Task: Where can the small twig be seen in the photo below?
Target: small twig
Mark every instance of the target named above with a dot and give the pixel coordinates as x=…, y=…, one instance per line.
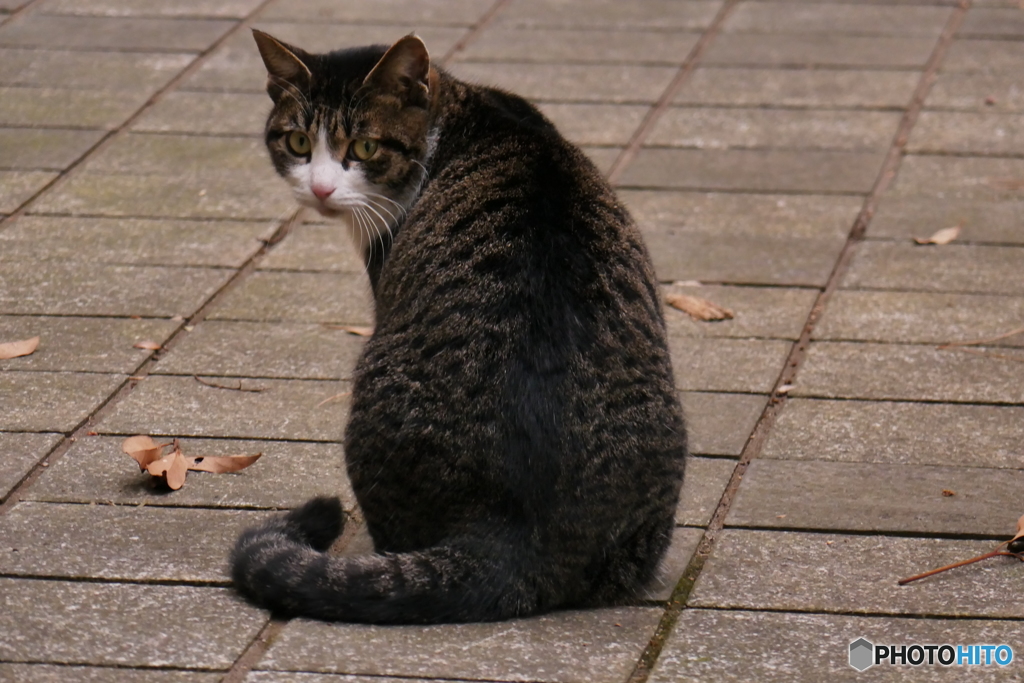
x=331, y=398
x=254, y=390
x=994, y=553
x=977, y=342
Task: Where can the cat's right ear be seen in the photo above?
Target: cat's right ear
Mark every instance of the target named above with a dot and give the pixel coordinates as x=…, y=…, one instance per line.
x=286, y=70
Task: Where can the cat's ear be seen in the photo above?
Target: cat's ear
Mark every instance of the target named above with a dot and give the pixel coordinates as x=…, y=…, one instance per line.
x=404, y=70
x=286, y=70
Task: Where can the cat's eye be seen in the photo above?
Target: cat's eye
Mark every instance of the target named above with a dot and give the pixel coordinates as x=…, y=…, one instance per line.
x=363, y=148
x=298, y=143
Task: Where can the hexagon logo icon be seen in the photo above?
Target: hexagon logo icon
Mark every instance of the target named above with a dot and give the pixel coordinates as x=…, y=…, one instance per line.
x=862, y=654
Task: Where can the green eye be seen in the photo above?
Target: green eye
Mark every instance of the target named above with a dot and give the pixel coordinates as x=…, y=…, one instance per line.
x=363, y=148
x=298, y=143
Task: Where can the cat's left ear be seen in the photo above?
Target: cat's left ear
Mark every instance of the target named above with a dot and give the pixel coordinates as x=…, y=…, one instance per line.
x=404, y=70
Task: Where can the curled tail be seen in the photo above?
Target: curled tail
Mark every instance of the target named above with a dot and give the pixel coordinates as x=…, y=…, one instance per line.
x=283, y=565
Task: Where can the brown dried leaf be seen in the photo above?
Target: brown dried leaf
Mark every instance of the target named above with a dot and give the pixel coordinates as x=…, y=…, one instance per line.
x=16, y=349
x=221, y=463
x=697, y=308
x=948, y=493
x=1020, y=530
x=944, y=236
x=171, y=468
x=142, y=449
x=148, y=345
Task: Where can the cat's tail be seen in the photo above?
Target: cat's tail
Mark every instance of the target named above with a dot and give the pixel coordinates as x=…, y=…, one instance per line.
x=283, y=565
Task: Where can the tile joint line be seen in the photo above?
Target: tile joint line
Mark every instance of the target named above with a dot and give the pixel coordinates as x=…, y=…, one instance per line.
x=798, y=351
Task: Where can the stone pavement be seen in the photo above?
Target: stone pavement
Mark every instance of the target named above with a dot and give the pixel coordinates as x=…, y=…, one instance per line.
x=782, y=153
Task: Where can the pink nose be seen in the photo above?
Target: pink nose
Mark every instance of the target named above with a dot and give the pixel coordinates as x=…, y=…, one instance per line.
x=322, y=192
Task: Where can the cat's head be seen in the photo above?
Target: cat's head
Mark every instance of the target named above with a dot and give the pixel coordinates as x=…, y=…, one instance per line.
x=350, y=130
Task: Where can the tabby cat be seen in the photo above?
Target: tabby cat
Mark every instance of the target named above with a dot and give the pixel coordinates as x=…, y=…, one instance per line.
x=515, y=441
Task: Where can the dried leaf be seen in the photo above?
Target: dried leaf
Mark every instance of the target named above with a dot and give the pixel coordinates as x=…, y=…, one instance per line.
x=1015, y=544
x=143, y=450
x=948, y=493
x=148, y=345
x=171, y=468
x=16, y=349
x=207, y=383
x=944, y=236
x=697, y=308
x=218, y=464
x=357, y=330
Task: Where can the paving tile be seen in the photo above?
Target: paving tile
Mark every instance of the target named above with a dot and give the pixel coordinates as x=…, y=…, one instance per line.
x=679, y=253
x=133, y=241
x=101, y=71
x=798, y=88
x=21, y=452
x=781, y=647
x=982, y=221
x=174, y=155
x=596, y=124
x=76, y=344
x=121, y=543
x=52, y=401
x=677, y=557
x=212, y=194
x=181, y=406
x=602, y=157
x=654, y=14
x=95, y=470
x=28, y=106
x=729, y=365
x=610, y=83
x=236, y=64
x=772, y=312
x=950, y=268
x=299, y=297
x=817, y=50
x=591, y=646
x=317, y=247
x=972, y=92
x=897, y=433
x=780, y=570
x=207, y=114
x=510, y=44
x=874, y=497
x=235, y=9
x=298, y=677
x=149, y=35
x=952, y=177
x=992, y=56
x=51, y=150
x=17, y=187
x=754, y=170
x=921, y=318
x=905, y=372
x=719, y=424
x=98, y=290
x=967, y=133
x=715, y=128
x=828, y=18
x=448, y=12
x=993, y=22
x=703, y=486
x=105, y=623
x=49, y=673
x=285, y=350
x=749, y=215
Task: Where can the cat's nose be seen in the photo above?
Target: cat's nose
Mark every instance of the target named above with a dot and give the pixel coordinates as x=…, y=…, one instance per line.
x=322, y=192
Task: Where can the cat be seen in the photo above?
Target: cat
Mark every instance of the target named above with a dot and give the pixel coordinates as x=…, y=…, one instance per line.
x=515, y=440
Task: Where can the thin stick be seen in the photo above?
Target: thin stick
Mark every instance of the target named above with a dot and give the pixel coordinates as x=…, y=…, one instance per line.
x=998, y=551
x=202, y=381
x=331, y=398
x=976, y=342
